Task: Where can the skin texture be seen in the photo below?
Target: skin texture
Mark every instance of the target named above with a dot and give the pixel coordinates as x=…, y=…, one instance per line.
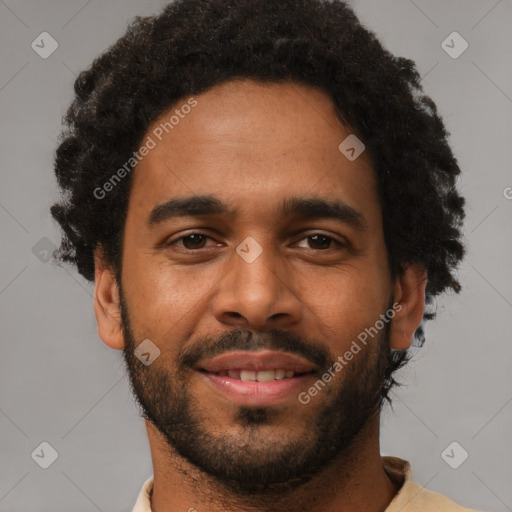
x=253, y=145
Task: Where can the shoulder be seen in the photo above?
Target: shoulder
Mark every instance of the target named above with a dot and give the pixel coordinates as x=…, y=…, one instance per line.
x=412, y=497
x=143, y=503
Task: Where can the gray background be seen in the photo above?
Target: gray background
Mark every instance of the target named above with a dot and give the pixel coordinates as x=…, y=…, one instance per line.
x=61, y=384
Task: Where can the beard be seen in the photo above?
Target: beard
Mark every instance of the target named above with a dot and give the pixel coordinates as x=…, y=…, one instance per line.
x=252, y=461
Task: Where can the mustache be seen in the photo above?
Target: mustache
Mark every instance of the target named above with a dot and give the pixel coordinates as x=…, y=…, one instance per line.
x=208, y=347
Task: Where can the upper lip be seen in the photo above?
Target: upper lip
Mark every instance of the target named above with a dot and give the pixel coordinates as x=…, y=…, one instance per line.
x=257, y=361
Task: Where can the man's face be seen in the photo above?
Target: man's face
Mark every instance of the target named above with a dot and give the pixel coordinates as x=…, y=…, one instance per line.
x=285, y=302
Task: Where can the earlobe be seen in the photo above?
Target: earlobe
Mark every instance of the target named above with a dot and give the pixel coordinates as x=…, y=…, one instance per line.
x=106, y=303
x=409, y=292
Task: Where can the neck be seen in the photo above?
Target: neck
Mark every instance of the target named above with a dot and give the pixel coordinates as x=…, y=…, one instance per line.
x=354, y=482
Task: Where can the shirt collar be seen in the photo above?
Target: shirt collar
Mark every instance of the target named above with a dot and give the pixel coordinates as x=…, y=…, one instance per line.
x=398, y=470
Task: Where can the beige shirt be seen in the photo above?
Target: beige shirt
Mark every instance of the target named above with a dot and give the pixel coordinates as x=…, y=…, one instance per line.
x=411, y=497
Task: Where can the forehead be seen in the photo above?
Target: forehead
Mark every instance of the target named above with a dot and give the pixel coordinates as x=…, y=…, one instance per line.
x=251, y=145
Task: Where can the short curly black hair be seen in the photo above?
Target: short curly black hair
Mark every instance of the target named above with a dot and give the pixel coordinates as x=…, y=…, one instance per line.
x=193, y=45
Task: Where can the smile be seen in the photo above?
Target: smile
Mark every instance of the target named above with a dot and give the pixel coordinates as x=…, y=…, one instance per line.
x=256, y=379
x=260, y=376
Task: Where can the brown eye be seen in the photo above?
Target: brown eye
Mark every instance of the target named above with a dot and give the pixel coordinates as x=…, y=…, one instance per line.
x=192, y=241
x=320, y=241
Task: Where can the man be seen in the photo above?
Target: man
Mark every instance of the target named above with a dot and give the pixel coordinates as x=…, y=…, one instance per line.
x=265, y=200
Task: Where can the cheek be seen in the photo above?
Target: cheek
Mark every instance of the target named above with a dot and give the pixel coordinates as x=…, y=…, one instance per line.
x=166, y=298
x=347, y=300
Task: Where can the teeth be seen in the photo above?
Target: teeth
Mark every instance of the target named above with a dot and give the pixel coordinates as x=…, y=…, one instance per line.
x=261, y=376
x=265, y=375
x=279, y=374
x=246, y=375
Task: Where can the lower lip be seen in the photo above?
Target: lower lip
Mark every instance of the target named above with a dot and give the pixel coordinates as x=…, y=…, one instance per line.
x=254, y=393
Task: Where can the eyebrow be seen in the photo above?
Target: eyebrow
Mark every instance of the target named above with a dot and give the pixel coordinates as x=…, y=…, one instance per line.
x=303, y=207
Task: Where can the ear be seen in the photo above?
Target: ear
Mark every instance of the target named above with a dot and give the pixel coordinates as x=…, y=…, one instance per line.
x=409, y=292
x=106, y=302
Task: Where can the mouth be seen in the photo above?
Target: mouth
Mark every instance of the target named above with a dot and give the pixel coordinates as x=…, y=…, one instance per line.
x=256, y=379
x=258, y=376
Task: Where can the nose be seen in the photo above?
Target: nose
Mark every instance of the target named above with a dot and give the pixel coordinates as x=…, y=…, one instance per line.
x=258, y=294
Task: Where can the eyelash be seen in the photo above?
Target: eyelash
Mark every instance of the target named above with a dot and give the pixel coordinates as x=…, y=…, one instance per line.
x=330, y=238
